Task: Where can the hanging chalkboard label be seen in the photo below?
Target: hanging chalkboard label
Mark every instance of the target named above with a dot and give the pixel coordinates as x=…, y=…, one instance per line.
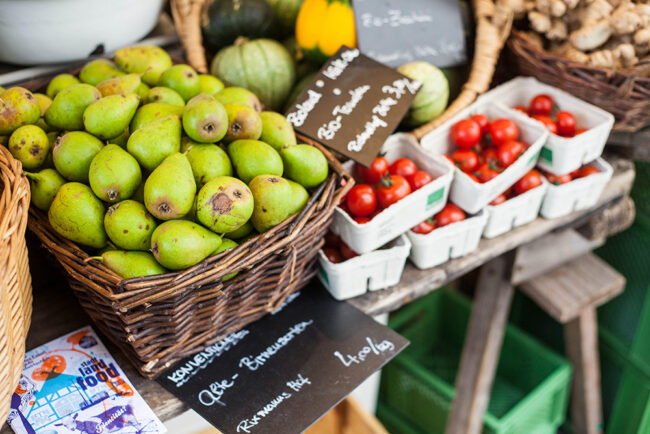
x=283, y=372
x=395, y=32
x=353, y=104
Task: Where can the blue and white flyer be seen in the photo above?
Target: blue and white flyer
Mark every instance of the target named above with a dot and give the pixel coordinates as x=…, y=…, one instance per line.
x=73, y=385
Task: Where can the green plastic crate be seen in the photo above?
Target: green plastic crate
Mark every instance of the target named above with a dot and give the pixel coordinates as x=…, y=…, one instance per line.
x=394, y=422
x=530, y=391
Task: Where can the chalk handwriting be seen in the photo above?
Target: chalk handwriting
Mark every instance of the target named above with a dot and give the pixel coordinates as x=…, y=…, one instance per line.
x=372, y=347
x=254, y=363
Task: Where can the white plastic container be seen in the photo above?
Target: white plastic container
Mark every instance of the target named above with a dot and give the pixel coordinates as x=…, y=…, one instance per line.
x=514, y=212
x=560, y=155
x=371, y=271
x=578, y=194
x=468, y=194
x=448, y=242
x=408, y=212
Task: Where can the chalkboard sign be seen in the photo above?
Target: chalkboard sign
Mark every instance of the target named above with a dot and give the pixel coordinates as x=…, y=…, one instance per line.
x=353, y=104
x=283, y=372
x=395, y=32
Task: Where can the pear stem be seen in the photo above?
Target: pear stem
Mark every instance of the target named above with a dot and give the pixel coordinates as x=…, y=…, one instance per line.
x=96, y=258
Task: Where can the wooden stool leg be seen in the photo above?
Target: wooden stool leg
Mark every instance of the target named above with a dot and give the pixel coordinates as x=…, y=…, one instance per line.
x=581, y=341
x=482, y=347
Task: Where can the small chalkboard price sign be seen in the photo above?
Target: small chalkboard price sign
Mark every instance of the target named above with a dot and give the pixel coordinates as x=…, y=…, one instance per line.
x=395, y=32
x=283, y=372
x=353, y=104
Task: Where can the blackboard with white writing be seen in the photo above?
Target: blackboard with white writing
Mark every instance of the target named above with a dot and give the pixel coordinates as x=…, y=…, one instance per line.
x=283, y=372
x=353, y=104
x=395, y=32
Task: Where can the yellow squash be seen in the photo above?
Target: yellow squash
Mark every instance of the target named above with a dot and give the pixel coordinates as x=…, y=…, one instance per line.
x=323, y=26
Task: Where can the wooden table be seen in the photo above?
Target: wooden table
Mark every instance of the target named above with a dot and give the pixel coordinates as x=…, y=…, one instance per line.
x=56, y=312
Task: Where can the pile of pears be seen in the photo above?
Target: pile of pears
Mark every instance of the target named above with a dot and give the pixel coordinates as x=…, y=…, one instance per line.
x=153, y=165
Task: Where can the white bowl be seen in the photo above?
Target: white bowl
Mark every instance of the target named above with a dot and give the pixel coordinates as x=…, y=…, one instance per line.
x=50, y=31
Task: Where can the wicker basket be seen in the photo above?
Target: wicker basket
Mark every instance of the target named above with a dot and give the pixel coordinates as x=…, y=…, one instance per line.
x=15, y=280
x=624, y=93
x=493, y=23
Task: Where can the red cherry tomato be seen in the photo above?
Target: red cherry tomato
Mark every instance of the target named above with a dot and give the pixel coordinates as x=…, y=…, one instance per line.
x=361, y=220
x=333, y=255
x=566, y=124
x=580, y=131
x=508, y=153
x=499, y=199
x=548, y=123
x=482, y=121
x=424, y=228
x=473, y=178
x=419, y=179
x=361, y=200
x=586, y=171
x=373, y=174
x=332, y=240
x=485, y=172
x=529, y=181
x=449, y=214
x=574, y=174
x=558, y=179
x=489, y=155
x=503, y=130
x=347, y=252
x=465, y=159
x=466, y=133
x=392, y=189
x=521, y=108
x=541, y=105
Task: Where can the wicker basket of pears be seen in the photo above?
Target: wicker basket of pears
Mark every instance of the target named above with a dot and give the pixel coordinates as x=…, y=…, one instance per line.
x=178, y=208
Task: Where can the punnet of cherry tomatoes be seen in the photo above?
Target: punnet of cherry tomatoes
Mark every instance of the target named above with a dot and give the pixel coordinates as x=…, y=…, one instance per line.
x=337, y=251
x=381, y=185
x=582, y=172
x=543, y=108
x=484, y=147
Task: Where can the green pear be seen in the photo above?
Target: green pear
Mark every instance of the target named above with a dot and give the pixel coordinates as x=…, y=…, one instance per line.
x=128, y=265
x=67, y=108
x=153, y=142
x=205, y=119
x=187, y=143
x=43, y=101
x=78, y=215
x=273, y=198
x=243, y=122
x=123, y=85
x=44, y=126
x=129, y=225
x=148, y=60
x=276, y=130
x=300, y=197
x=208, y=161
x=142, y=90
x=96, y=71
x=60, y=82
x=72, y=154
x=240, y=95
x=226, y=244
x=114, y=174
x=240, y=233
x=29, y=145
x=122, y=139
x=163, y=95
x=44, y=186
x=181, y=78
x=210, y=84
x=224, y=204
x=304, y=164
x=169, y=190
x=180, y=244
x=18, y=107
x=152, y=111
x=109, y=116
x=252, y=157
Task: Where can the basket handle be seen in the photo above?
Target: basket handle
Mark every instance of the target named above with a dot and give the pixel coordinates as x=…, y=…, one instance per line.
x=187, y=18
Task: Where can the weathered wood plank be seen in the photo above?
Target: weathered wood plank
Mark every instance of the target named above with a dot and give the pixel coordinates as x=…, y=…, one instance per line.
x=581, y=343
x=611, y=221
x=568, y=290
x=417, y=283
x=480, y=357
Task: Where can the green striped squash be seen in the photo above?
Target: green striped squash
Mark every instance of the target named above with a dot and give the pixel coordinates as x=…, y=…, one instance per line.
x=262, y=66
x=287, y=12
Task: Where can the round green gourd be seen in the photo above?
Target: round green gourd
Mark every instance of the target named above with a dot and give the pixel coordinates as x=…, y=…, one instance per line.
x=223, y=21
x=262, y=66
x=287, y=12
